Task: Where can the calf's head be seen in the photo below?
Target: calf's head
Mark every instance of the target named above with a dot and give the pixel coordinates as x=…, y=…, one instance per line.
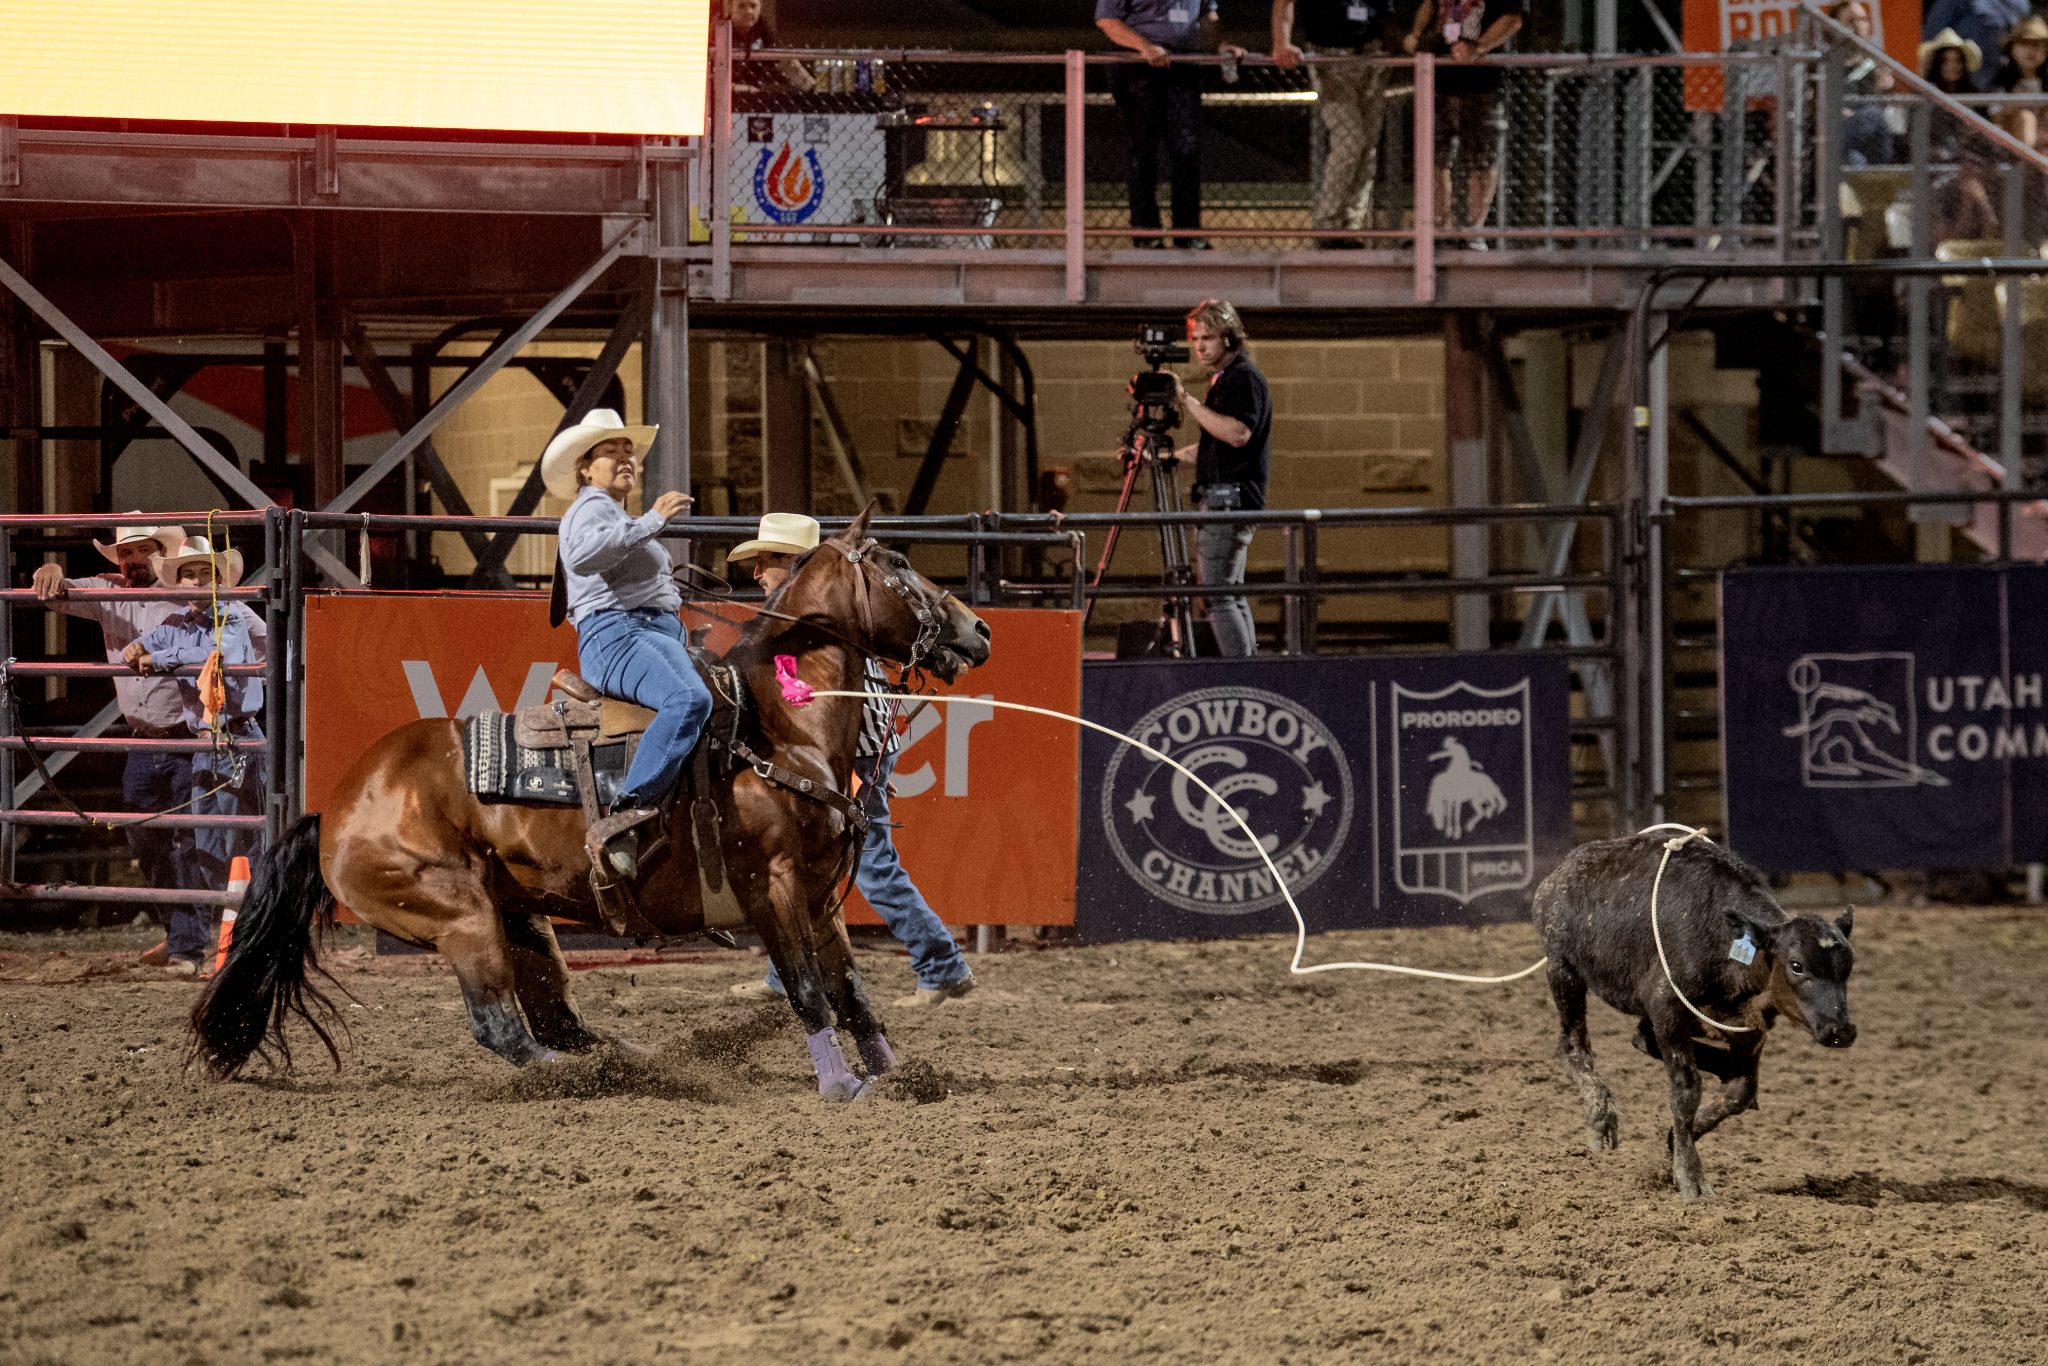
x=1810, y=961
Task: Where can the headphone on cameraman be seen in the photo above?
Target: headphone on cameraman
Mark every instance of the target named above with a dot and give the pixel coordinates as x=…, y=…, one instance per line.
x=1220, y=315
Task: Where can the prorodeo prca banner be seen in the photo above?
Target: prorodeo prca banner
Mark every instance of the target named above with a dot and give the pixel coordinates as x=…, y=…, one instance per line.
x=1425, y=790
x=1885, y=718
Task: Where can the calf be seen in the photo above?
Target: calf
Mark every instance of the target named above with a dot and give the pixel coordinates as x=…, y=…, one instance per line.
x=1733, y=952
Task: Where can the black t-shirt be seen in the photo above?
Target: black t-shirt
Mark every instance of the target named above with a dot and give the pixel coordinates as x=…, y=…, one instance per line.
x=1238, y=390
x=1472, y=18
x=1340, y=23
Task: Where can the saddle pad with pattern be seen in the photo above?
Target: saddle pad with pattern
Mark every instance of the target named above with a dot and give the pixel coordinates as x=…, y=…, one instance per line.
x=497, y=768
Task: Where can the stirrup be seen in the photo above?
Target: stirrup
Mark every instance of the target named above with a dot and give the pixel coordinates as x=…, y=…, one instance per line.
x=614, y=853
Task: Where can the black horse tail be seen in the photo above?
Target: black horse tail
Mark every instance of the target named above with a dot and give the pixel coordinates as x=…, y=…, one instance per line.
x=264, y=980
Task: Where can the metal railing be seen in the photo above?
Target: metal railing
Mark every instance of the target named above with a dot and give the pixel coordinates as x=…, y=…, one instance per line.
x=955, y=152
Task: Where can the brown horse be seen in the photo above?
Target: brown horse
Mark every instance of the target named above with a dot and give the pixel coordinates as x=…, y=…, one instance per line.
x=405, y=846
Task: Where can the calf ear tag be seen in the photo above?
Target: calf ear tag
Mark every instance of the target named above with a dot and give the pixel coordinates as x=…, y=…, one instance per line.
x=1743, y=950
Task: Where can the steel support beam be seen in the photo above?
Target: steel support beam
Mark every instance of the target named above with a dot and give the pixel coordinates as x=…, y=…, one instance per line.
x=1579, y=479
x=943, y=432
x=785, y=431
x=476, y=378
x=1466, y=408
x=844, y=453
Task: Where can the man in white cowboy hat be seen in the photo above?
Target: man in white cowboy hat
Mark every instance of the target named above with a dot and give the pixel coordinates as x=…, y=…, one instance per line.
x=621, y=595
x=226, y=781
x=942, y=974
x=151, y=780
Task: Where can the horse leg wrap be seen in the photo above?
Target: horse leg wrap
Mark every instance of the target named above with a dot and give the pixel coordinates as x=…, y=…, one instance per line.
x=876, y=1055
x=835, y=1079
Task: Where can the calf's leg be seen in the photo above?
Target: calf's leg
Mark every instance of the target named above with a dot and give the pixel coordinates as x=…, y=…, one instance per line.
x=1738, y=1093
x=1684, y=1077
x=1575, y=1051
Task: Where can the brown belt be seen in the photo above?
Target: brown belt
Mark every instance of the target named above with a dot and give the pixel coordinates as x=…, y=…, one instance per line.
x=149, y=732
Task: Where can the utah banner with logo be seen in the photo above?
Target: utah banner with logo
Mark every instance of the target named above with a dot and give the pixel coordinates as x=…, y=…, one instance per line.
x=1885, y=718
x=1422, y=790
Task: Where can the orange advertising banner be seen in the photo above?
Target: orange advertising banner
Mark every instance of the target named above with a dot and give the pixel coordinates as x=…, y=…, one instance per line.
x=985, y=798
x=1721, y=25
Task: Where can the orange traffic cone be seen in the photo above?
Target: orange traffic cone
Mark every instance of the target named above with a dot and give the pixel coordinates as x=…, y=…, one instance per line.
x=238, y=883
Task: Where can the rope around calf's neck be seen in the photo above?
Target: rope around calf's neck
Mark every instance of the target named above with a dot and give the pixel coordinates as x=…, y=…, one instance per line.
x=1300, y=925
x=1672, y=846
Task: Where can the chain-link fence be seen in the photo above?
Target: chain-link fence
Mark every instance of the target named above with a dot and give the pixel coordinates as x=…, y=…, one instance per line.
x=938, y=149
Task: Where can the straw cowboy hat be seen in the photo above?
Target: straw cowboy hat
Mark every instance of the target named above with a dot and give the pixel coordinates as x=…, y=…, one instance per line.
x=780, y=533
x=1973, y=56
x=227, y=565
x=558, y=462
x=2032, y=29
x=167, y=538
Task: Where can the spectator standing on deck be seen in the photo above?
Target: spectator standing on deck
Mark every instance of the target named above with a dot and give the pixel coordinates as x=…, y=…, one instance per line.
x=1236, y=418
x=942, y=973
x=225, y=781
x=751, y=33
x=1160, y=99
x=1868, y=137
x=150, y=780
x=1351, y=100
x=1471, y=100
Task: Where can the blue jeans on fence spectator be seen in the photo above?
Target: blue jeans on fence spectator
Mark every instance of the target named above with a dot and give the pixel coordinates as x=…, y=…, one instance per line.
x=934, y=956
x=155, y=781
x=638, y=654
x=1220, y=560
x=207, y=858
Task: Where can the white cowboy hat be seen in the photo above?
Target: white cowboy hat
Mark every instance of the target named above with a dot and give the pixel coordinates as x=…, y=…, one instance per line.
x=780, y=533
x=167, y=538
x=558, y=462
x=1973, y=56
x=227, y=565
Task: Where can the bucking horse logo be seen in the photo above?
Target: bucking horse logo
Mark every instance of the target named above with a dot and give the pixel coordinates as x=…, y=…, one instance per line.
x=1462, y=787
x=1462, y=799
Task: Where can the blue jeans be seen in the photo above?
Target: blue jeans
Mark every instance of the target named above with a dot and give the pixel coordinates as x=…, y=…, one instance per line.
x=205, y=861
x=637, y=653
x=1221, y=550
x=934, y=957
x=154, y=781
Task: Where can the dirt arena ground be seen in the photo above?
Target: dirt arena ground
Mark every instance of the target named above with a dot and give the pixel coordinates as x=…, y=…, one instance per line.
x=1145, y=1152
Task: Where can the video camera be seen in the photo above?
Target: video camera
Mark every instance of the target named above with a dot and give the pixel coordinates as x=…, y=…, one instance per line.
x=1155, y=410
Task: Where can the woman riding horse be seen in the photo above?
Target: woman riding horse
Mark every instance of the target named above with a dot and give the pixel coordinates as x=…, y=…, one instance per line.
x=410, y=849
x=623, y=600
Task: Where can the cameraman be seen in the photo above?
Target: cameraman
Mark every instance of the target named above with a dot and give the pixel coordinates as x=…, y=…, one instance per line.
x=1236, y=418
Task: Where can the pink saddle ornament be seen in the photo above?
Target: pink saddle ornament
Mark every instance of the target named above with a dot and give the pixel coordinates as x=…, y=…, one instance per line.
x=795, y=691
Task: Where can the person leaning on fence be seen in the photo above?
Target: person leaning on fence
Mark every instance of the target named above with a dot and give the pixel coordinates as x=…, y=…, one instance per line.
x=1351, y=100
x=1471, y=100
x=2024, y=72
x=942, y=974
x=1236, y=418
x=623, y=600
x=1160, y=99
x=225, y=781
x=1869, y=137
x=751, y=32
x=151, y=780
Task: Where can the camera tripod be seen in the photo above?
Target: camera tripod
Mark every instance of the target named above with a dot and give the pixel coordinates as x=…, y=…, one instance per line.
x=1149, y=449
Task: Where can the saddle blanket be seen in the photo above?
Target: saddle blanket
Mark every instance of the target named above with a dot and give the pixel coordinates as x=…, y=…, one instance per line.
x=500, y=769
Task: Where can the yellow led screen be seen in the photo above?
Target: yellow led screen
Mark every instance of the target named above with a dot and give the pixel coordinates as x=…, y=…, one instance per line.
x=567, y=66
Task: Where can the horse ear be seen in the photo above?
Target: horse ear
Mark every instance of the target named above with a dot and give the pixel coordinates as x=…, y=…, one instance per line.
x=858, y=530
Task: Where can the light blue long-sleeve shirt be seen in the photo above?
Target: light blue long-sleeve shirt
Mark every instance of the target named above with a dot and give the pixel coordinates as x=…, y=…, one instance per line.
x=187, y=639
x=611, y=560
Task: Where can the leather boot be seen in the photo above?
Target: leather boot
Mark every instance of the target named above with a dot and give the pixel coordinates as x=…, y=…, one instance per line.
x=614, y=849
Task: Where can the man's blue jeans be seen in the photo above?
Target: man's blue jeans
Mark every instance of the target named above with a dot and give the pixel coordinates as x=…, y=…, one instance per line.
x=205, y=860
x=1221, y=550
x=638, y=654
x=934, y=957
x=155, y=781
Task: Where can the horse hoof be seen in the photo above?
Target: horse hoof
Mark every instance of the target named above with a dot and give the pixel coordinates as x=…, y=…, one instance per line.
x=850, y=1089
x=547, y=1056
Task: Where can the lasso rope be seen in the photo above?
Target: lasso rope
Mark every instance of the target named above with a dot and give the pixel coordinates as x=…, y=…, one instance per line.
x=1672, y=846
x=1300, y=925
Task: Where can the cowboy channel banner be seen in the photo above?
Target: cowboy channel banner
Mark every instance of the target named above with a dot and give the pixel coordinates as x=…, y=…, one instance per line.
x=1426, y=790
x=1885, y=718
x=984, y=797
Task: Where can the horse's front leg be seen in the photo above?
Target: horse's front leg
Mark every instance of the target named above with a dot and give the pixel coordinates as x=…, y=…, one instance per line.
x=850, y=995
x=786, y=931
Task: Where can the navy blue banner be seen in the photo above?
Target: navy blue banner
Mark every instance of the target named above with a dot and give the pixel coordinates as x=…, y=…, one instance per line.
x=1885, y=718
x=1421, y=790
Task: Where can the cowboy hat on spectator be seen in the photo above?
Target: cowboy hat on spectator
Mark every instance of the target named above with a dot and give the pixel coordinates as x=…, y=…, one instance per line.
x=1973, y=56
x=2032, y=29
x=558, y=462
x=227, y=565
x=167, y=538
x=780, y=533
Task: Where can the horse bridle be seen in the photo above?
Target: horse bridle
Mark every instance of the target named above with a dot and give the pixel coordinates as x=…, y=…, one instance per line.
x=927, y=609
